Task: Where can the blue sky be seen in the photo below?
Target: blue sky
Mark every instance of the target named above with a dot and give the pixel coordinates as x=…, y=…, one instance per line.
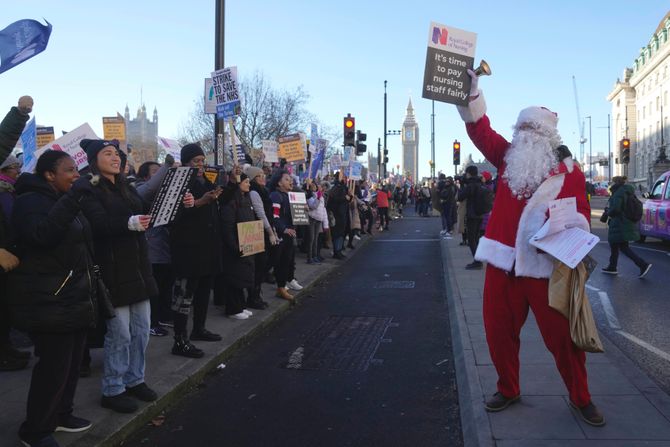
x=101, y=54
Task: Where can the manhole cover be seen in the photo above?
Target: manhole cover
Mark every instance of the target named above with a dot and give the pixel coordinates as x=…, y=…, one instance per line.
x=394, y=285
x=341, y=344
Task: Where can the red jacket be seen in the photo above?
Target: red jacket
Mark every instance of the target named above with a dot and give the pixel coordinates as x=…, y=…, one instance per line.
x=383, y=199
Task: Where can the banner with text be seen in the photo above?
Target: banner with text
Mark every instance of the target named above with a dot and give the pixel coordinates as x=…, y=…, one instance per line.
x=299, y=208
x=226, y=92
x=270, y=151
x=45, y=135
x=114, y=127
x=251, y=237
x=171, y=147
x=68, y=143
x=450, y=53
x=29, y=141
x=170, y=195
x=292, y=147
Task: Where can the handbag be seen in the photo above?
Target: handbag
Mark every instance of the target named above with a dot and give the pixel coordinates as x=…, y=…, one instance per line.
x=102, y=295
x=604, y=216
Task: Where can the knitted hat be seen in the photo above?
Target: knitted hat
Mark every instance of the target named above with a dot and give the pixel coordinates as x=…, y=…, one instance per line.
x=539, y=116
x=243, y=177
x=92, y=147
x=11, y=160
x=487, y=176
x=253, y=172
x=189, y=152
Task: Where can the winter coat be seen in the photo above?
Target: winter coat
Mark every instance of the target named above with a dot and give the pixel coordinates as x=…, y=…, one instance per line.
x=239, y=271
x=281, y=212
x=195, y=237
x=6, y=206
x=122, y=254
x=52, y=289
x=260, y=199
x=383, y=198
x=620, y=229
x=354, y=216
x=319, y=212
x=468, y=192
x=339, y=206
x=11, y=128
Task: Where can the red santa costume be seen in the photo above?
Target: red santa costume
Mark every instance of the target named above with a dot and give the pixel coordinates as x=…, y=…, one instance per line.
x=517, y=274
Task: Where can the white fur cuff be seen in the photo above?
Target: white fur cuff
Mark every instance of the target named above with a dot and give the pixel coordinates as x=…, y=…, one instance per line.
x=495, y=253
x=474, y=111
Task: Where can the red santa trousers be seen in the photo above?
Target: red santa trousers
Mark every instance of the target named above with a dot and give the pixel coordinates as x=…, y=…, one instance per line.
x=506, y=302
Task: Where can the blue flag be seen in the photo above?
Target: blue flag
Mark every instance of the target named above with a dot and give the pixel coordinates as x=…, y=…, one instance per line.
x=29, y=142
x=22, y=40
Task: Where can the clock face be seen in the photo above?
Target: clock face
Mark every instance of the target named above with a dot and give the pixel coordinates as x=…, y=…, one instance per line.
x=409, y=134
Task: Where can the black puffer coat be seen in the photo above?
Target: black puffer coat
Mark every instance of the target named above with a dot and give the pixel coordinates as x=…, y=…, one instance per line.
x=195, y=237
x=239, y=271
x=122, y=254
x=51, y=290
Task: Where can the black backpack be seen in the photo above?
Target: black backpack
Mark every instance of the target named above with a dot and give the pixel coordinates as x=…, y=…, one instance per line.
x=632, y=207
x=483, y=200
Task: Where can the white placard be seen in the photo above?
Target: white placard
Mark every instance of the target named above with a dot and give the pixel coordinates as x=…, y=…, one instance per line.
x=68, y=143
x=270, y=151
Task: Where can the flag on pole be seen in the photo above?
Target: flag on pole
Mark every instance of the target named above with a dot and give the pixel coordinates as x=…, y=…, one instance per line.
x=22, y=40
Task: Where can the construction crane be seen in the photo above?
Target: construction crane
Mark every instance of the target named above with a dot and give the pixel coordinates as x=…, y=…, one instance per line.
x=580, y=123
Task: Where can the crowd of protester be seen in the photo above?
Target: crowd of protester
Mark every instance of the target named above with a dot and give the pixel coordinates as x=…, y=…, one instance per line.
x=82, y=268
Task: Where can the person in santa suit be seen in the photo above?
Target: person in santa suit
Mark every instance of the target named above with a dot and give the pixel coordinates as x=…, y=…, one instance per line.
x=533, y=171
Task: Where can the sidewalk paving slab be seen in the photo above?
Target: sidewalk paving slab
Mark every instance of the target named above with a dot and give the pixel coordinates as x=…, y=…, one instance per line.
x=636, y=410
x=170, y=376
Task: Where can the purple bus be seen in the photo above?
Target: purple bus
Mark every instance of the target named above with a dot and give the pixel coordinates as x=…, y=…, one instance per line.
x=654, y=222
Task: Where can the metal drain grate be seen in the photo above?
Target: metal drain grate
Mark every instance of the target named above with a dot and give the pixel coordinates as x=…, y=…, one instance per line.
x=341, y=344
x=394, y=285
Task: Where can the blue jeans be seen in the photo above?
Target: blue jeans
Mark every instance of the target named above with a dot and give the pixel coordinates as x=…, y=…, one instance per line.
x=125, y=344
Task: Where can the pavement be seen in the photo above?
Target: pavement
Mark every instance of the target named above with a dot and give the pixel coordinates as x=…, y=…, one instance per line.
x=636, y=410
x=170, y=376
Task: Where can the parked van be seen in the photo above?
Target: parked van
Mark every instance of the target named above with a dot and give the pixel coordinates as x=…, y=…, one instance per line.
x=654, y=222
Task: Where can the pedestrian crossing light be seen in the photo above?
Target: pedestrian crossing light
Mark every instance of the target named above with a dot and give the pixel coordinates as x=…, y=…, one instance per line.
x=360, y=146
x=349, y=130
x=457, y=153
x=625, y=151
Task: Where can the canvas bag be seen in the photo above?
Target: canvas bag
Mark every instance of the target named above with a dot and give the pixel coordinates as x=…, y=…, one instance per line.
x=567, y=295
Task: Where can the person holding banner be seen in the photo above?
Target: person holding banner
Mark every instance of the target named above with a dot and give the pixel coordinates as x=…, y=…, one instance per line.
x=532, y=173
x=283, y=222
x=118, y=218
x=195, y=243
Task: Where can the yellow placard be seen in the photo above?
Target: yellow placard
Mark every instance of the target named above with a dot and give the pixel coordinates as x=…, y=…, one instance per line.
x=291, y=148
x=251, y=238
x=211, y=174
x=45, y=135
x=114, y=128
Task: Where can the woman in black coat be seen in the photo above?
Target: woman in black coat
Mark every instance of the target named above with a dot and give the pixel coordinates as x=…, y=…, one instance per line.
x=52, y=292
x=118, y=218
x=240, y=270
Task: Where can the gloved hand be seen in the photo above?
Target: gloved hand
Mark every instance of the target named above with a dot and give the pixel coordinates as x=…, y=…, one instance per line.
x=7, y=260
x=138, y=222
x=474, y=86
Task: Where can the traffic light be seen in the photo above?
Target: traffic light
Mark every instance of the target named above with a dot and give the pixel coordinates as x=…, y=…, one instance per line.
x=457, y=153
x=360, y=146
x=386, y=158
x=625, y=151
x=349, y=130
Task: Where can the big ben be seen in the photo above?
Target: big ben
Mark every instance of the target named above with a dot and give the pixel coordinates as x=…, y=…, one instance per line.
x=410, y=144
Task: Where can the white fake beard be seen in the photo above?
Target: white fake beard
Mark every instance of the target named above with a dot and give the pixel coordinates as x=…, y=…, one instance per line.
x=530, y=159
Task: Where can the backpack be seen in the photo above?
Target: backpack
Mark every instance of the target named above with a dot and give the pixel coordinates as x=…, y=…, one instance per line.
x=632, y=207
x=483, y=200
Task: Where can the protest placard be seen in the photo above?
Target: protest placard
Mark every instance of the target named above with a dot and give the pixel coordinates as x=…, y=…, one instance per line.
x=336, y=161
x=450, y=53
x=355, y=170
x=210, y=99
x=68, y=143
x=170, y=195
x=114, y=127
x=270, y=151
x=211, y=173
x=226, y=92
x=251, y=237
x=171, y=147
x=291, y=147
x=298, y=202
x=45, y=135
x=317, y=158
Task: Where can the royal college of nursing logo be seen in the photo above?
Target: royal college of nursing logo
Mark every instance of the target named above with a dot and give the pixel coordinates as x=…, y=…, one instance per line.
x=440, y=35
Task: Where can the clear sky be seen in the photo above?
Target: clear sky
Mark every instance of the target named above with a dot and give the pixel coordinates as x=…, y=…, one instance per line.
x=103, y=54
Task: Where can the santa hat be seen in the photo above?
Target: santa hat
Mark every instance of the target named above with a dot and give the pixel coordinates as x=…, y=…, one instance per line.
x=487, y=176
x=537, y=116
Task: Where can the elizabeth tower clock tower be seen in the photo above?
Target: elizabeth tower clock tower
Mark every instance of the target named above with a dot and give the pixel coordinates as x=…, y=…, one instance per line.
x=410, y=145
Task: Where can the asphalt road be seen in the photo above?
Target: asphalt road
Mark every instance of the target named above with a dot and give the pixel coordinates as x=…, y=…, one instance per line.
x=364, y=360
x=634, y=313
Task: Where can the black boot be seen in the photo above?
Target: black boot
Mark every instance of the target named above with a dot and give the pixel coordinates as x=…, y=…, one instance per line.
x=183, y=347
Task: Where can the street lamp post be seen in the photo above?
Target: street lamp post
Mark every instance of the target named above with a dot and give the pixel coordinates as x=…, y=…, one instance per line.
x=432, y=142
x=384, y=165
x=590, y=153
x=219, y=40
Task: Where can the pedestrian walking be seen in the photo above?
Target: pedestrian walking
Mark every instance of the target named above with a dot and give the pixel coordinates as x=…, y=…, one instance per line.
x=621, y=230
x=469, y=193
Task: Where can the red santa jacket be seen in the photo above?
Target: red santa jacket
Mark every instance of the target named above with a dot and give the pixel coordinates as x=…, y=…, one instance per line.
x=513, y=222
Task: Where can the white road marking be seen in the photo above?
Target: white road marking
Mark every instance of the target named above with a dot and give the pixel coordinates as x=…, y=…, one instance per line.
x=609, y=311
x=406, y=240
x=595, y=289
x=664, y=355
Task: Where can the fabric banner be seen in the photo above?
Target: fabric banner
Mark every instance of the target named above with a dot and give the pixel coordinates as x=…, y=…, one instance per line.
x=318, y=157
x=170, y=195
x=22, y=40
x=251, y=237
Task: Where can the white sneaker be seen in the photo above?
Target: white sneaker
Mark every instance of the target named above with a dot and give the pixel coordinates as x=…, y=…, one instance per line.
x=240, y=316
x=294, y=285
x=248, y=312
x=443, y=232
x=357, y=237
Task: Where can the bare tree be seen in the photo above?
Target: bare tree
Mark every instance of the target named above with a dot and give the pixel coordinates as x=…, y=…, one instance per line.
x=266, y=114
